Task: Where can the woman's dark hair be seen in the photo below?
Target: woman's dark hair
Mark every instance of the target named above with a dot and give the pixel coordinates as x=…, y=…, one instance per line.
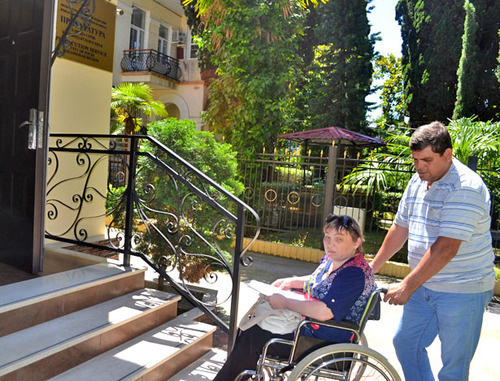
x=434, y=135
x=347, y=223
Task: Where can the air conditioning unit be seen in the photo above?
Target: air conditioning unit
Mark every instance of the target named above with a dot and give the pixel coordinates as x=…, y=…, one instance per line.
x=182, y=38
x=175, y=36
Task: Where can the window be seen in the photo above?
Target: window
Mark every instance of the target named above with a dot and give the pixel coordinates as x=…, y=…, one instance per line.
x=137, y=29
x=193, y=50
x=163, y=40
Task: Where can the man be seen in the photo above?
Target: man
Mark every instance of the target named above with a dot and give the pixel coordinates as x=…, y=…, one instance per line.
x=445, y=216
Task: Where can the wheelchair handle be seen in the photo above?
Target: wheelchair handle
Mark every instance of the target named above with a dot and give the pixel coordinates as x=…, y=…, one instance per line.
x=383, y=290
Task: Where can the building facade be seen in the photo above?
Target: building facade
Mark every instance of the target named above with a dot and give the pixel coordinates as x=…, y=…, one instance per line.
x=153, y=45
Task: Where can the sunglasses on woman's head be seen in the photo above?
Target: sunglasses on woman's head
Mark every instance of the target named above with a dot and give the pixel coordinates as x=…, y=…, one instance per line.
x=345, y=221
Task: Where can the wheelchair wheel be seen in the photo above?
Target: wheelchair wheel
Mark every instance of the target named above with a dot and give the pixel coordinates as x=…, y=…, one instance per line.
x=363, y=341
x=347, y=362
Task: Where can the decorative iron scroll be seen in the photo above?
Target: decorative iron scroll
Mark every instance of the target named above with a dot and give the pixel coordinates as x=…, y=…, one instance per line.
x=157, y=206
x=82, y=12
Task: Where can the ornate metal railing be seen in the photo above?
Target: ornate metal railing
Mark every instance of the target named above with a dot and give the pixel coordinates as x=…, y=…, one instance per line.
x=158, y=207
x=150, y=60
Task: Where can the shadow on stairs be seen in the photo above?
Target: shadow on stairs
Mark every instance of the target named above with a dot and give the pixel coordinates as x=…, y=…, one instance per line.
x=100, y=323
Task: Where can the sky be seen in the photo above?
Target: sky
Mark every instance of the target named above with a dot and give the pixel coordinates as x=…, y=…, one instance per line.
x=382, y=20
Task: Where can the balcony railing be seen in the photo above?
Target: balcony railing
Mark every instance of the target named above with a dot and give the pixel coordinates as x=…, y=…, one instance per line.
x=150, y=60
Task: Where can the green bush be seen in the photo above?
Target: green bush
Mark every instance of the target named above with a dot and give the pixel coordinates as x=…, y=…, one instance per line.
x=190, y=225
x=293, y=175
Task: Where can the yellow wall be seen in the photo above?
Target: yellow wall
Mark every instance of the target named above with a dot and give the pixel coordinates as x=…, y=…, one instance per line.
x=80, y=103
x=80, y=99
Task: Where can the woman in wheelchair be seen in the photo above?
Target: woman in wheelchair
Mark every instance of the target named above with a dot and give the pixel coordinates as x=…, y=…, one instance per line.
x=338, y=289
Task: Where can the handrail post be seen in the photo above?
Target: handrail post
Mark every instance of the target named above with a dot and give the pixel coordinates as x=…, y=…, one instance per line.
x=129, y=208
x=238, y=248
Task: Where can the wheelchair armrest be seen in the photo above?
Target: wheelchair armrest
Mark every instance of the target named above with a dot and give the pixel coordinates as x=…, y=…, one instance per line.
x=345, y=324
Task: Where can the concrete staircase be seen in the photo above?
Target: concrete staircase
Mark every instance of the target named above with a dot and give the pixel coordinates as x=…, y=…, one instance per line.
x=97, y=323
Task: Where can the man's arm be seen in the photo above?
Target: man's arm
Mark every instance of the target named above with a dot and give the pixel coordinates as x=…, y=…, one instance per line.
x=393, y=242
x=435, y=258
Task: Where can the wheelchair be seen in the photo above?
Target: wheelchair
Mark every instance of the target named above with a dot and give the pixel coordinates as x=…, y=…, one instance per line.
x=315, y=359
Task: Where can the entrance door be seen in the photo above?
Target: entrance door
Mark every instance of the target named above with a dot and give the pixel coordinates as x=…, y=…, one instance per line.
x=25, y=45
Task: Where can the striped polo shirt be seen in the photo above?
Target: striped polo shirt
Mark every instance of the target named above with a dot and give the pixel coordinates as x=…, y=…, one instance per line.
x=456, y=206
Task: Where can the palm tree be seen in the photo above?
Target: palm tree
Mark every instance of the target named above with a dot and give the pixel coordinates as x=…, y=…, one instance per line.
x=131, y=101
x=385, y=169
x=474, y=138
x=469, y=137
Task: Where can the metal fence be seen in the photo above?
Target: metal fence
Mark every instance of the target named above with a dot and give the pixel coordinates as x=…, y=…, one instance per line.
x=288, y=191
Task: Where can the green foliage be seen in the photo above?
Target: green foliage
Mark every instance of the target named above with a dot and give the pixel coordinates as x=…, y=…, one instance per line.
x=204, y=7
x=341, y=74
x=431, y=49
x=201, y=228
x=487, y=90
x=473, y=138
x=201, y=149
x=388, y=68
x=198, y=30
x=131, y=101
x=255, y=51
x=293, y=175
x=387, y=169
x=468, y=78
x=497, y=71
x=470, y=138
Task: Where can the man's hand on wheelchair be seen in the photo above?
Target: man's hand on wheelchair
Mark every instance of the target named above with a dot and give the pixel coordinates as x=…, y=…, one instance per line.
x=397, y=294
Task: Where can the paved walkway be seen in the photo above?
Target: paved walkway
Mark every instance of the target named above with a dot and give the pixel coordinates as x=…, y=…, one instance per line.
x=484, y=366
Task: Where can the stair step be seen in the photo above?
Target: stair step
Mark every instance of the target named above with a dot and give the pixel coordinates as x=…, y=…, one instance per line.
x=155, y=355
x=205, y=368
x=47, y=349
x=31, y=302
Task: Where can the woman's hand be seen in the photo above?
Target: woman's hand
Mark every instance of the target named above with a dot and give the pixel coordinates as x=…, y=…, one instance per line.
x=288, y=283
x=277, y=301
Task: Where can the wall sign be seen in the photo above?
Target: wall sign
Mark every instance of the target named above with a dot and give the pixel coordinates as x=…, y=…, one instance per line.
x=94, y=46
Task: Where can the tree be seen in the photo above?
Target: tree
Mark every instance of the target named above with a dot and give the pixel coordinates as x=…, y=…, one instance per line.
x=254, y=48
x=467, y=69
x=345, y=65
x=388, y=69
x=487, y=89
x=205, y=7
x=131, y=101
x=431, y=50
x=432, y=47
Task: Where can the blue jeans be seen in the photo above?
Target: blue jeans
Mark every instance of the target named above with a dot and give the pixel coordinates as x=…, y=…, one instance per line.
x=456, y=318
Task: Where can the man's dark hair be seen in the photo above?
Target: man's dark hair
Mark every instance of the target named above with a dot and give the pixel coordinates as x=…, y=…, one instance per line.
x=434, y=135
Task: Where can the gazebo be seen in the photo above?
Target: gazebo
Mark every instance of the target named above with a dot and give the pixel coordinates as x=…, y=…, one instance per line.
x=333, y=137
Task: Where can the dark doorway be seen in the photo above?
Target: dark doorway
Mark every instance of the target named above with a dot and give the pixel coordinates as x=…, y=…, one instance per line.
x=25, y=46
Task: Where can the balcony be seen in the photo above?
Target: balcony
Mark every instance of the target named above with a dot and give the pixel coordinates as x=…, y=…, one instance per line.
x=150, y=61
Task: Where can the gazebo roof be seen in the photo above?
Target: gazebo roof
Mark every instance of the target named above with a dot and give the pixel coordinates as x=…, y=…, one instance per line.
x=328, y=135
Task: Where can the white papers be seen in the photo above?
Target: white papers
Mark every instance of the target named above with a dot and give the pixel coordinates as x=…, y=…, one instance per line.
x=267, y=290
